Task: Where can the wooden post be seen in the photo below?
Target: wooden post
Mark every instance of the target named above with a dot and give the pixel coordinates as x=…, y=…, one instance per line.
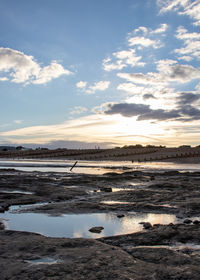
x=73, y=166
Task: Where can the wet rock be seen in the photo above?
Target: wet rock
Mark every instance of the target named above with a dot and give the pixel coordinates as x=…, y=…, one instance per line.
x=172, y=173
x=96, y=229
x=196, y=222
x=146, y=225
x=187, y=221
x=4, y=207
x=106, y=189
x=2, y=226
x=120, y=216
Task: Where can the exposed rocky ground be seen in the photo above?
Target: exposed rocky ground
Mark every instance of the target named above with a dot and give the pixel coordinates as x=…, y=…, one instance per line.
x=158, y=252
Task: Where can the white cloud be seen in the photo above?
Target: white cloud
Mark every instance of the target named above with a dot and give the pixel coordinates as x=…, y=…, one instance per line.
x=53, y=71
x=81, y=84
x=191, y=43
x=142, y=29
x=143, y=79
x=90, y=89
x=123, y=59
x=18, y=121
x=22, y=68
x=168, y=71
x=78, y=110
x=190, y=8
x=185, y=57
x=144, y=42
x=109, y=66
x=98, y=86
x=163, y=27
x=131, y=88
x=129, y=57
x=3, y=79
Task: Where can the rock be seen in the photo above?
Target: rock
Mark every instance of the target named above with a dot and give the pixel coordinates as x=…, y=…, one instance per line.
x=106, y=189
x=4, y=207
x=196, y=222
x=2, y=226
x=120, y=216
x=96, y=229
x=146, y=225
x=187, y=221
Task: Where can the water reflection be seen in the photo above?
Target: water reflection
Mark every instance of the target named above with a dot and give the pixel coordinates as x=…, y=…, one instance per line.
x=94, y=167
x=77, y=225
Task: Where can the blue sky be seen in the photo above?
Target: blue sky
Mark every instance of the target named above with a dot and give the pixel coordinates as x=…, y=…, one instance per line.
x=85, y=72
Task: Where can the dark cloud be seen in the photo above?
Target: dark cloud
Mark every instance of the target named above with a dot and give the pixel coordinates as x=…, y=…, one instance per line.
x=160, y=115
x=127, y=109
x=187, y=98
x=148, y=96
x=143, y=112
x=191, y=112
x=183, y=72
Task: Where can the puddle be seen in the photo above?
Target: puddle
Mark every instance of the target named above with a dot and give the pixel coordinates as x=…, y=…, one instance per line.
x=177, y=246
x=113, y=202
x=78, y=225
x=48, y=261
x=18, y=208
x=21, y=192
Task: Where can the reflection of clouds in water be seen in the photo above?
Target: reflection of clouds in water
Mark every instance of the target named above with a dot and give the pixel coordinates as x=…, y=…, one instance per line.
x=77, y=234
x=130, y=224
x=78, y=225
x=84, y=232
x=160, y=218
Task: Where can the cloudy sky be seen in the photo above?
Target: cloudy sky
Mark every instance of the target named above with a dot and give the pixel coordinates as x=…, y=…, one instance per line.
x=109, y=73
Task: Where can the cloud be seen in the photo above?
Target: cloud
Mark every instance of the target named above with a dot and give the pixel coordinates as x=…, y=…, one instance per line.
x=90, y=89
x=135, y=43
x=144, y=42
x=190, y=8
x=122, y=59
x=143, y=112
x=140, y=78
x=98, y=86
x=191, y=112
x=18, y=121
x=126, y=109
x=191, y=43
x=78, y=110
x=186, y=98
x=159, y=115
x=81, y=84
x=131, y=88
x=3, y=79
x=168, y=71
x=21, y=68
x=162, y=29
x=129, y=57
x=148, y=96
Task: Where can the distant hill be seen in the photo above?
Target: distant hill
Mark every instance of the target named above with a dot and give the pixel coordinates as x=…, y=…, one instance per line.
x=8, y=148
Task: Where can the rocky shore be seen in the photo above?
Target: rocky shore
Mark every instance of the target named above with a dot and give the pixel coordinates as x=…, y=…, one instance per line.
x=158, y=251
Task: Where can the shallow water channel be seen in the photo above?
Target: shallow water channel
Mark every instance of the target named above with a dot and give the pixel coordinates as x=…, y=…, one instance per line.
x=78, y=225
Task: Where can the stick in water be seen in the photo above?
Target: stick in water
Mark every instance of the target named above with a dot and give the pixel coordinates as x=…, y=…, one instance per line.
x=73, y=166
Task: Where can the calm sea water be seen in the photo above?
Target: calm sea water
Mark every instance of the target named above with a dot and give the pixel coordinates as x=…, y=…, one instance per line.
x=94, y=167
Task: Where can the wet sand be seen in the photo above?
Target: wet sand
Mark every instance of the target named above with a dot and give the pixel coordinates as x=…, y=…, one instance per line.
x=157, y=252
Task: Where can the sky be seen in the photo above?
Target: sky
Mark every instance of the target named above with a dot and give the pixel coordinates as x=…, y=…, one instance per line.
x=88, y=73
